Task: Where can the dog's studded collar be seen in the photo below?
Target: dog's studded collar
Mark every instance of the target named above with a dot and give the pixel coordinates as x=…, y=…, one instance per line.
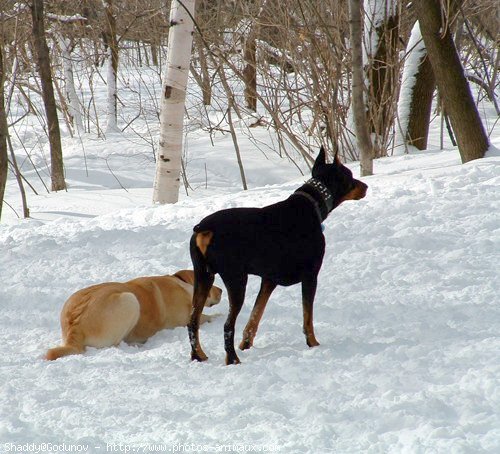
x=325, y=193
x=323, y=202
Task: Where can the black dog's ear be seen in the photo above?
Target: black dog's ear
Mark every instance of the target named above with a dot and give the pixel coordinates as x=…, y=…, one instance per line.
x=320, y=161
x=336, y=160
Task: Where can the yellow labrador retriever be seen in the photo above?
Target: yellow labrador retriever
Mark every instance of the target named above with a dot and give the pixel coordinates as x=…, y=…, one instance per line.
x=106, y=314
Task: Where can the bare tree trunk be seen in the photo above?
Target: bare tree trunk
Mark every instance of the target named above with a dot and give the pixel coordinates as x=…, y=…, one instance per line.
x=421, y=106
x=250, y=70
x=4, y=158
x=359, y=112
x=452, y=83
x=250, y=58
x=154, y=53
x=415, y=96
x=43, y=60
x=168, y=162
x=382, y=28
x=7, y=104
x=111, y=42
x=203, y=77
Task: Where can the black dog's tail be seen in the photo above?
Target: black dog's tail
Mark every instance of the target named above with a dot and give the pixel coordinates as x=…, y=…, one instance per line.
x=198, y=246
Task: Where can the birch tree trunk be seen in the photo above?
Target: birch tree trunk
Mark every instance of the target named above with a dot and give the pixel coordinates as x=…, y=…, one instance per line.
x=112, y=61
x=43, y=60
x=451, y=81
x=69, y=84
x=168, y=162
x=359, y=111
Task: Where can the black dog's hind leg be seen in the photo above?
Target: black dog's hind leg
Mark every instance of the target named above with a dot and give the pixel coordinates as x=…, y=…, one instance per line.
x=309, y=284
x=202, y=285
x=203, y=281
x=236, y=286
x=266, y=288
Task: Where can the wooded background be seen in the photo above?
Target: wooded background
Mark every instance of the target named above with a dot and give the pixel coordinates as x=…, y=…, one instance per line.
x=281, y=64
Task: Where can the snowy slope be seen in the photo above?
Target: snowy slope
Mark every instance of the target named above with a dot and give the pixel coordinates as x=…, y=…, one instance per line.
x=407, y=314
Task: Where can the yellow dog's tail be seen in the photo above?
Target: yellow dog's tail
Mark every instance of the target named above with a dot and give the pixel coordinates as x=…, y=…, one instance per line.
x=63, y=350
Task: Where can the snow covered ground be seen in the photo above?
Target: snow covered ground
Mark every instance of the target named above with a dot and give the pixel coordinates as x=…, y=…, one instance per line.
x=407, y=313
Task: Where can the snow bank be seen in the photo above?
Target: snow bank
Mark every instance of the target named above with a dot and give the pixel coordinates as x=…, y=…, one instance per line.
x=407, y=314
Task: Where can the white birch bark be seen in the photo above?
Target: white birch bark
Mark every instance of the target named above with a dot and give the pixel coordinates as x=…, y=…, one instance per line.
x=168, y=162
x=69, y=83
x=112, y=62
x=111, y=110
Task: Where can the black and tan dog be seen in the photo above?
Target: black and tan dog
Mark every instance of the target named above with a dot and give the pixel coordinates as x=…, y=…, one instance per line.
x=282, y=243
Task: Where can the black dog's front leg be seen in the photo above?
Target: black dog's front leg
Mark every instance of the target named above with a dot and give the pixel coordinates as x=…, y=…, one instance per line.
x=309, y=284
